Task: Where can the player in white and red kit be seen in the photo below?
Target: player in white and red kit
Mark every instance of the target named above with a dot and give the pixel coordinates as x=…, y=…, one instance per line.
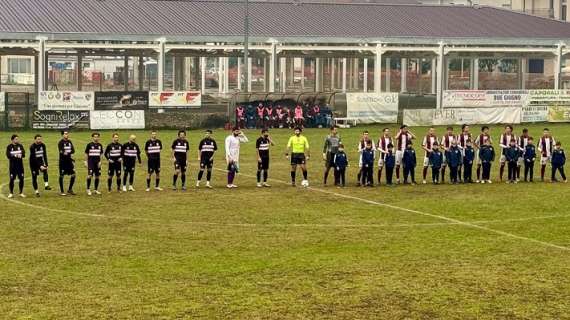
x=402, y=138
x=427, y=144
x=446, y=142
x=504, y=141
x=383, y=142
x=545, y=146
x=479, y=142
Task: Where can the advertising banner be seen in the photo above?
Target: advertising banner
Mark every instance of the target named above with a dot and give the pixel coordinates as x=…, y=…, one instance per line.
x=484, y=98
x=121, y=100
x=60, y=119
x=117, y=119
x=372, y=107
x=459, y=116
x=175, y=99
x=559, y=114
x=66, y=100
x=534, y=114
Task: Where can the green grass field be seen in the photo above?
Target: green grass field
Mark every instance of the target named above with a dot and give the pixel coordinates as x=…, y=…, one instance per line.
x=411, y=252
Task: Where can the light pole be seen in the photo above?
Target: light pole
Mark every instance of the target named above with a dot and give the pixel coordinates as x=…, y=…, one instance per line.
x=246, y=48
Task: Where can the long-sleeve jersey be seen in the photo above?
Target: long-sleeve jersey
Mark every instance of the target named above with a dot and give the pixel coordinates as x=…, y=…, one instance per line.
x=66, y=149
x=512, y=153
x=94, y=151
x=409, y=159
x=487, y=153
x=232, y=147
x=436, y=159
x=152, y=148
x=207, y=147
x=558, y=157
x=131, y=153
x=529, y=153
x=469, y=155
x=454, y=157
x=114, y=152
x=368, y=157
x=402, y=140
x=180, y=148
x=15, y=153
x=331, y=144
x=38, y=155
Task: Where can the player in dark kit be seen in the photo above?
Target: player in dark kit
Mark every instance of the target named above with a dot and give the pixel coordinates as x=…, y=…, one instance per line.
x=15, y=153
x=262, y=146
x=93, y=154
x=66, y=162
x=114, y=155
x=180, y=149
x=206, y=150
x=131, y=154
x=39, y=163
x=152, y=148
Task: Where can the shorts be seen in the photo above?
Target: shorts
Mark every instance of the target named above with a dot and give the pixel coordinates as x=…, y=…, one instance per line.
x=180, y=164
x=426, y=162
x=36, y=170
x=399, y=157
x=545, y=160
x=114, y=169
x=263, y=164
x=93, y=169
x=16, y=171
x=477, y=158
x=206, y=163
x=233, y=166
x=520, y=161
x=66, y=168
x=381, y=161
x=128, y=168
x=153, y=165
x=444, y=160
x=503, y=159
x=298, y=158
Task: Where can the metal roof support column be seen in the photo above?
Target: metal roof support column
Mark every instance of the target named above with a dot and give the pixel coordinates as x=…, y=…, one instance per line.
x=249, y=71
x=388, y=74
x=239, y=66
x=365, y=78
x=355, y=73
x=558, y=66
x=226, y=74
x=221, y=80
x=283, y=74
x=79, y=70
x=475, y=74
x=440, y=74
x=343, y=74
x=333, y=72
x=377, y=69
x=140, y=68
x=523, y=63
x=161, y=62
x=403, y=75
x=125, y=72
x=433, y=76
x=272, y=67
x=318, y=71
x=203, y=74
x=302, y=73
x=42, y=64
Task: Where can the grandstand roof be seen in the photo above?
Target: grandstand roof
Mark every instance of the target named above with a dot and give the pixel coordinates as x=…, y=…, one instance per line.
x=222, y=21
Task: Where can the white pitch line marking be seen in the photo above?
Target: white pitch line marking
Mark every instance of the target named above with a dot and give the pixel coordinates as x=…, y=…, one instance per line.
x=436, y=216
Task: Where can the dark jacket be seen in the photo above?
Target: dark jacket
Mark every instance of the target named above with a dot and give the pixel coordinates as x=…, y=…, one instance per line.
x=469, y=156
x=558, y=158
x=367, y=157
x=487, y=154
x=389, y=160
x=409, y=158
x=454, y=157
x=512, y=154
x=529, y=153
x=340, y=160
x=436, y=159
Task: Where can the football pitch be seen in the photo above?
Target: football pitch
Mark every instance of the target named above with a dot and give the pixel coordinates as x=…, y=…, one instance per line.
x=494, y=251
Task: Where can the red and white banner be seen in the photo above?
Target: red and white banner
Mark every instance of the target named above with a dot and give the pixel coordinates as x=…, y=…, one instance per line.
x=174, y=99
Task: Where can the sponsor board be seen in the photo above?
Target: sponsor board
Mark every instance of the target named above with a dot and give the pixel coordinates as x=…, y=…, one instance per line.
x=66, y=100
x=121, y=100
x=484, y=98
x=459, y=116
x=60, y=119
x=372, y=107
x=175, y=99
x=559, y=114
x=534, y=114
x=117, y=119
